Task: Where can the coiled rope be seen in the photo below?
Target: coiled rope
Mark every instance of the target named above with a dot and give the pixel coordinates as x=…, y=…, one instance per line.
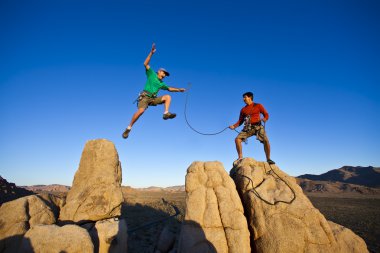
x=257, y=186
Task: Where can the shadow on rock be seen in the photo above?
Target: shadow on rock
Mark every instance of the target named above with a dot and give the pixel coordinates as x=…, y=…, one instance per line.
x=10, y=244
x=193, y=239
x=145, y=223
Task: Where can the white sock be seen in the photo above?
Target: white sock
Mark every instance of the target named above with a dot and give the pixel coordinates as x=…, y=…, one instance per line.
x=166, y=112
x=129, y=127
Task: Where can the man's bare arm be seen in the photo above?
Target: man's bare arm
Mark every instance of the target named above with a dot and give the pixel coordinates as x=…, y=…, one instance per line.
x=172, y=89
x=147, y=60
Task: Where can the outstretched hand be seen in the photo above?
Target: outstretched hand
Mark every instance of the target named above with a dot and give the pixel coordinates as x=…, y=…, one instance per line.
x=181, y=89
x=232, y=127
x=153, y=50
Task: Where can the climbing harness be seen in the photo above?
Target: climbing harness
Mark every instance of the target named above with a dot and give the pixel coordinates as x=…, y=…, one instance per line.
x=247, y=123
x=192, y=128
x=257, y=186
x=143, y=94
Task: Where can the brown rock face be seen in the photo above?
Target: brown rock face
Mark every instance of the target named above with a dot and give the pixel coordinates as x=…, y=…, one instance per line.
x=18, y=216
x=281, y=218
x=51, y=238
x=96, y=191
x=112, y=234
x=214, y=220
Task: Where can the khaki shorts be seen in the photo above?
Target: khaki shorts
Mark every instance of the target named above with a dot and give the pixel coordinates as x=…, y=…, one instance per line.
x=259, y=131
x=148, y=101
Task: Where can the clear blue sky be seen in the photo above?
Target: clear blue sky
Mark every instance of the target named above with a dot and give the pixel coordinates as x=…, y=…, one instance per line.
x=70, y=70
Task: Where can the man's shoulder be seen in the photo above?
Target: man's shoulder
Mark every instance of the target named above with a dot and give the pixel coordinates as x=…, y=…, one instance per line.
x=149, y=71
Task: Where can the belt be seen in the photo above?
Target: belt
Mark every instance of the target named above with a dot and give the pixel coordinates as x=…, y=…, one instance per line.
x=256, y=123
x=149, y=94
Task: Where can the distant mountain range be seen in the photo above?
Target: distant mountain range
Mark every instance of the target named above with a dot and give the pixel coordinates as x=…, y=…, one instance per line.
x=47, y=188
x=365, y=176
x=313, y=186
x=347, y=179
x=170, y=188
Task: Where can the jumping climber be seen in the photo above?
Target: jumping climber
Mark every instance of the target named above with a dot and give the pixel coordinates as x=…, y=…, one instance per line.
x=250, y=116
x=148, y=97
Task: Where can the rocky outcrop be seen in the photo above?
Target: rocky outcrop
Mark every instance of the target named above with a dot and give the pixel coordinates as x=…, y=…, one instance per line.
x=347, y=241
x=52, y=238
x=96, y=191
x=9, y=191
x=281, y=218
x=94, y=202
x=214, y=220
x=18, y=216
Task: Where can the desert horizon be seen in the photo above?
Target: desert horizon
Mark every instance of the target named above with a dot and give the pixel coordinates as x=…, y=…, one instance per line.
x=148, y=211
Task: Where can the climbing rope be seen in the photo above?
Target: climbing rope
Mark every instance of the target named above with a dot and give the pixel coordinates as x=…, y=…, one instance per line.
x=192, y=128
x=257, y=186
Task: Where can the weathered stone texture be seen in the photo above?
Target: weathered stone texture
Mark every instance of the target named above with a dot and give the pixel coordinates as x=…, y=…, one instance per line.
x=113, y=235
x=96, y=192
x=53, y=239
x=18, y=216
x=281, y=218
x=214, y=220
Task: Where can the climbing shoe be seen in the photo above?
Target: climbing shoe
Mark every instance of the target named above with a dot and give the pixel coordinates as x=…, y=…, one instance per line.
x=237, y=162
x=169, y=116
x=270, y=161
x=126, y=133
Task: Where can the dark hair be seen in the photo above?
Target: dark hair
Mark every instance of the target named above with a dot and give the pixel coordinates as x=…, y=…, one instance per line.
x=248, y=94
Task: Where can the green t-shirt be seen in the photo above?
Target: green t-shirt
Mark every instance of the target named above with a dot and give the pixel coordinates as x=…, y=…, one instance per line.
x=153, y=84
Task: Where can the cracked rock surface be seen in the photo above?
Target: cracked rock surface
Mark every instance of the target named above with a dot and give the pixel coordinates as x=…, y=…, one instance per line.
x=214, y=220
x=52, y=238
x=18, y=216
x=281, y=218
x=96, y=191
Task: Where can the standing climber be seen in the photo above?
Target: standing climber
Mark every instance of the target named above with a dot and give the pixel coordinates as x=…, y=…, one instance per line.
x=148, y=97
x=250, y=115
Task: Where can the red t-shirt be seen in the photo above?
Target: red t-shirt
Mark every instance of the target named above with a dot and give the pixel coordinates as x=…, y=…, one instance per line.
x=254, y=111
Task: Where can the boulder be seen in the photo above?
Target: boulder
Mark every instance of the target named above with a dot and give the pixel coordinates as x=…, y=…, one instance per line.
x=96, y=191
x=111, y=235
x=280, y=217
x=347, y=240
x=54, y=202
x=52, y=239
x=18, y=216
x=214, y=220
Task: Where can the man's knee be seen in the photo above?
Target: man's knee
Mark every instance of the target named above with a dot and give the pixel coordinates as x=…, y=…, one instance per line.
x=166, y=97
x=238, y=140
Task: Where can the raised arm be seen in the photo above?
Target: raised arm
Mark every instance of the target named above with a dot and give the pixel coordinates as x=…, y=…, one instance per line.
x=147, y=60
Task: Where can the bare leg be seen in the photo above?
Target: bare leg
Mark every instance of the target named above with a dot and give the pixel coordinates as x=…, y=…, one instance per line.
x=239, y=148
x=136, y=116
x=267, y=149
x=167, y=99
